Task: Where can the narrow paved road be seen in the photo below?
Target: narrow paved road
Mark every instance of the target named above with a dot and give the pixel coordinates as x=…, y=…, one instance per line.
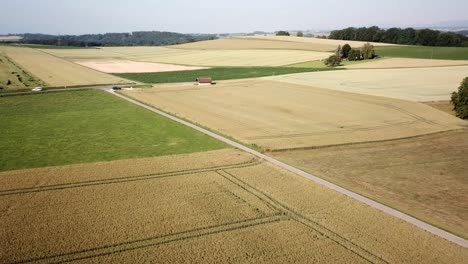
x=432, y=229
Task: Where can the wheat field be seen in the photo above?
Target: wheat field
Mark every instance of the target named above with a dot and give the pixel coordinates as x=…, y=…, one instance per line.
x=55, y=71
x=218, y=206
x=247, y=57
x=277, y=115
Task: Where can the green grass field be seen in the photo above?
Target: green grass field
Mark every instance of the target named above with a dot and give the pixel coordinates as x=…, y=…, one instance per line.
x=61, y=128
x=422, y=52
x=321, y=65
x=215, y=73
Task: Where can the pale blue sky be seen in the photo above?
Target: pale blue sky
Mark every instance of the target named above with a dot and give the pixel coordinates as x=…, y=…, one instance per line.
x=216, y=16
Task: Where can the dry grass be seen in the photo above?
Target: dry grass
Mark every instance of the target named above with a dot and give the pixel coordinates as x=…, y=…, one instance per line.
x=125, y=66
x=423, y=84
x=444, y=106
x=248, y=57
x=315, y=43
x=250, y=43
x=222, y=206
x=276, y=115
x=424, y=176
x=55, y=71
x=393, y=63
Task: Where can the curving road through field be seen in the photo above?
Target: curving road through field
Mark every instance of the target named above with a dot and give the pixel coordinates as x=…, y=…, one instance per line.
x=432, y=229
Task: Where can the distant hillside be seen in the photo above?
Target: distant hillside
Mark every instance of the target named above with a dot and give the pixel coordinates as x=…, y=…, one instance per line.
x=462, y=32
x=139, y=38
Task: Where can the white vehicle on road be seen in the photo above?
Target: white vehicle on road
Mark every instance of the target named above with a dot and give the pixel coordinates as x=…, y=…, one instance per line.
x=37, y=89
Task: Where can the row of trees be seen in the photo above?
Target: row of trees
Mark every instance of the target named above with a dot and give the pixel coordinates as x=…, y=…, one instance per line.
x=139, y=38
x=346, y=52
x=407, y=36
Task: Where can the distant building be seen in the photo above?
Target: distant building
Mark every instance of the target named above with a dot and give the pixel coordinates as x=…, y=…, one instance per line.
x=204, y=81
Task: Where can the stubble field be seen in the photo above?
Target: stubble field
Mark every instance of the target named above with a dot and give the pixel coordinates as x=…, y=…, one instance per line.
x=419, y=84
x=219, y=206
x=248, y=57
x=424, y=177
x=55, y=71
x=392, y=63
x=275, y=115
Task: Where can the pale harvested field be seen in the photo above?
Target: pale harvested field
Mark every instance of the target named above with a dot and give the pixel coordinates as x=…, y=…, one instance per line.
x=247, y=43
x=424, y=177
x=126, y=66
x=55, y=71
x=275, y=115
x=444, y=106
x=230, y=208
x=316, y=43
x=421, y=84
x=249, y=57
x=395, y=63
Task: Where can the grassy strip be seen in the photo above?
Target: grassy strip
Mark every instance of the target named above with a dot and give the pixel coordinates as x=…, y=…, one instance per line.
x=51, y=129
x=422, y=52
x=221, y=73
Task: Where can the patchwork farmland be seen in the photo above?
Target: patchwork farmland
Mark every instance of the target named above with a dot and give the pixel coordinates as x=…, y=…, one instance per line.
x=223, y=197
x=87, y=177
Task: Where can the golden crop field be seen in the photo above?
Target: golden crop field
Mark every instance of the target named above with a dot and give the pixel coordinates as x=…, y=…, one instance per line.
x=276, y=115
x=252, y=43
x=248, y=57
x=219, y=206
x=13, y=77
x=55, y=71
x=317, y=43
x=126, y=66
x=393, y=63
x=419, y=84
x=424, y=176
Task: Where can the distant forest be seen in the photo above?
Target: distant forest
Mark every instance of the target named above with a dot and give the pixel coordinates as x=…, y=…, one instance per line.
x=139, y=38
x=407, y=36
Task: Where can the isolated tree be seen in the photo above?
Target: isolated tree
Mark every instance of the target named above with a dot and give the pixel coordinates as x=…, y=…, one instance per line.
x=333, y=61
x=460, y=100
x=300, y=34
x=368, y=51
x=354, y=55
x=345, y=50
x=339, y=52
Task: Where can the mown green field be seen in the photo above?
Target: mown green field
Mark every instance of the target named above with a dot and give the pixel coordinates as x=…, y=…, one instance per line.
x=60, y=128
x=221, y=73
x=422, y=52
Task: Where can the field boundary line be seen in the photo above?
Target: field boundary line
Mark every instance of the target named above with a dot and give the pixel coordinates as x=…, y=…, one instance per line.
x=388, y=210
x=286, y=210
x=153, y=241
x=364, y=142
x=154, y=176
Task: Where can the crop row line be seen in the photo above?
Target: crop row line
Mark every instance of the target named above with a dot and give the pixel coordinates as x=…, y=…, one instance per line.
x=349, y=245
x=153, y=241
x=124, y=179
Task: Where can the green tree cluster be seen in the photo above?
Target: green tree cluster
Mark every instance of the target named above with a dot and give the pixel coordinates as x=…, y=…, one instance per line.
x=407, y=36
x=333, y=61
x=460, y=100
x=282, y=33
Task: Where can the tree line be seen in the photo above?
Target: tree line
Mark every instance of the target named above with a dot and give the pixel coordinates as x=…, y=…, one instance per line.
x=407, y=36
x=138, y=38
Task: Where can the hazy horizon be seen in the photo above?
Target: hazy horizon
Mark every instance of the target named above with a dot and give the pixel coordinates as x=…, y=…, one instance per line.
x=209, y=16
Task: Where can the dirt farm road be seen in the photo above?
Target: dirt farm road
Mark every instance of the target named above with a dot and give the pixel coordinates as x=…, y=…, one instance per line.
x=429, y=228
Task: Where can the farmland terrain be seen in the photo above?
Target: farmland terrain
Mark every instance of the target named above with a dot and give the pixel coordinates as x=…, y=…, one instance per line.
x=418, y=84
x=55, y=71
x=86, y=126
x=423, y=176
x=215, y=206
x=13, y=77
x=275, y=115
